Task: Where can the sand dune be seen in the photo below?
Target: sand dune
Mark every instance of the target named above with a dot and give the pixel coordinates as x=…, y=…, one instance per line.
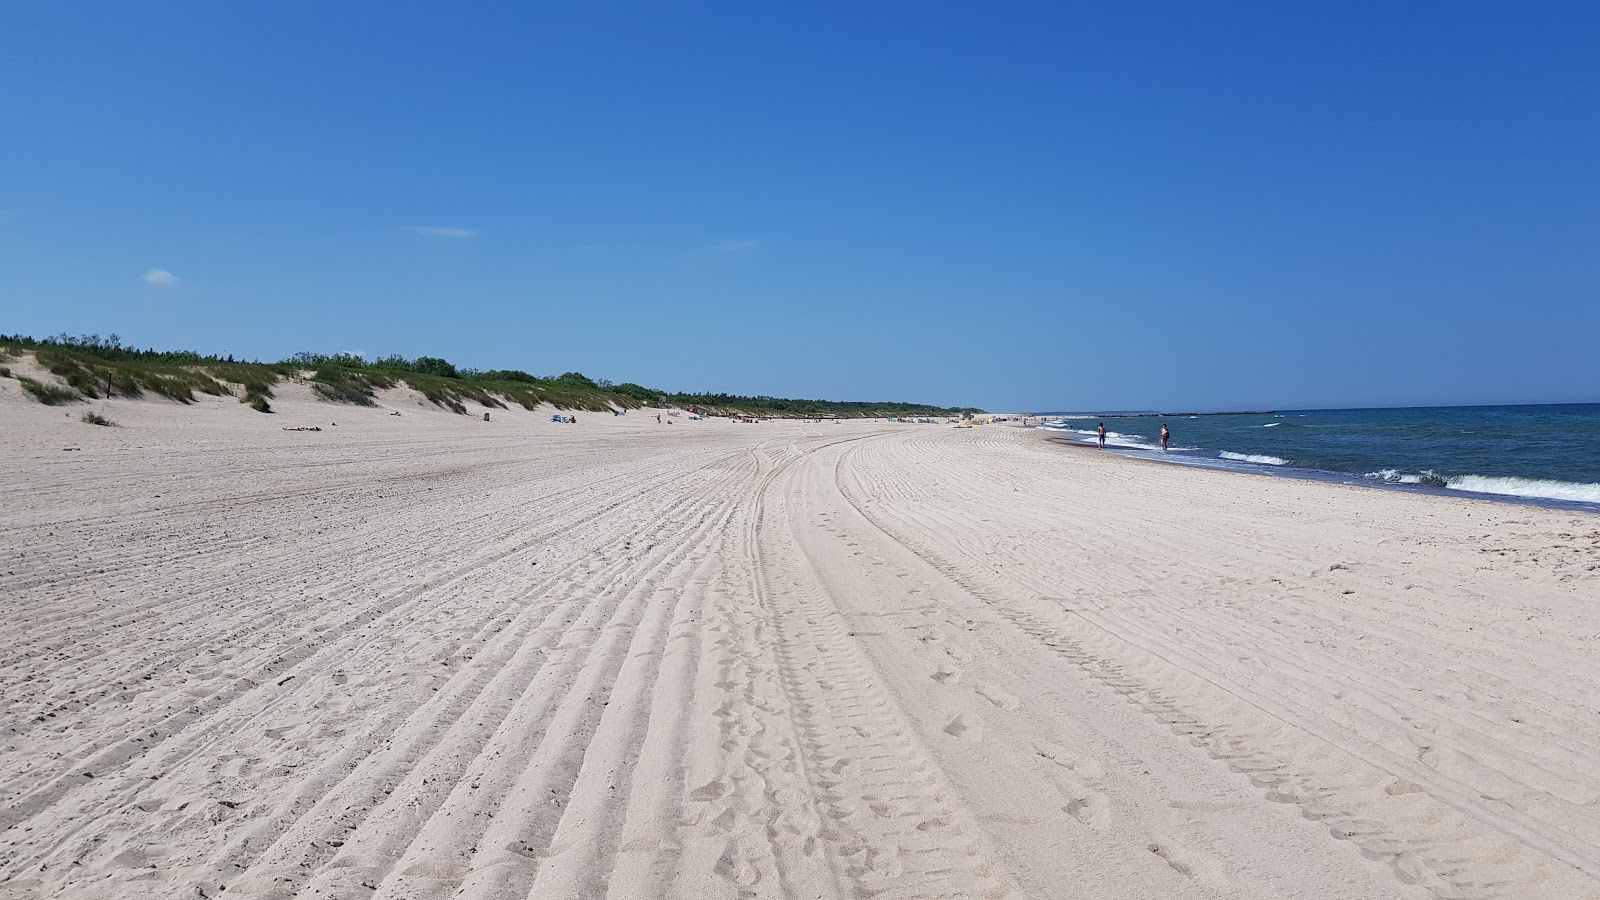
x=426, y=656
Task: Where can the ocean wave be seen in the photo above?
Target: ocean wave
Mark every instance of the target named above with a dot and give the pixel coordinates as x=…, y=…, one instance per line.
x=1113, y=438
x=1272, y=425
x=1253, y=458
x=1425, y=477
x=1117, y=439
x=1505, y=485
x=1110, y=434
x=1540, y=488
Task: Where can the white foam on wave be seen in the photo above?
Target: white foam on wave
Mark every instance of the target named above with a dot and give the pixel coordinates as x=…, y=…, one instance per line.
x=1395, y=476
x=1504, y=485
x=1539, y=488
x=1118, y=439
x=1253, y=458
x=1113, y=438
x=1109, y=434
x=1272, y=425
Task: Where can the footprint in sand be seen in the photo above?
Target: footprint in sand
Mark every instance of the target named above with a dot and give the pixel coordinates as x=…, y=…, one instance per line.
x=738, y=867
x=966, y=726
x=711, y=790
x=1189, y=863
x=1092, y=809
x=998, y=697
x=946, y=674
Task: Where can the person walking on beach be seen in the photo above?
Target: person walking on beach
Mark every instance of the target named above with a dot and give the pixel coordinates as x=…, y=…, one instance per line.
x=1165, y=436
x=1102, y=431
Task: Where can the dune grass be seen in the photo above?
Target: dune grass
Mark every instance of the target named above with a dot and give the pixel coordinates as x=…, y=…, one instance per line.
x=49, y=395
x=339, y=384
x=95, y=367
x=93, y=418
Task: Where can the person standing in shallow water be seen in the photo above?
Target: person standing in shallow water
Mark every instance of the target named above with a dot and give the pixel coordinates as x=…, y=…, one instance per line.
x=1165, y=436
x=1102, y=432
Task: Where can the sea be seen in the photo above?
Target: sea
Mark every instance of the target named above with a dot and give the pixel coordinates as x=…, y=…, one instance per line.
x=1546, y=454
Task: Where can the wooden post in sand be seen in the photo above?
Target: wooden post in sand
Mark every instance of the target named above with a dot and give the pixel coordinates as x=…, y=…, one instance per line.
x=109, y=372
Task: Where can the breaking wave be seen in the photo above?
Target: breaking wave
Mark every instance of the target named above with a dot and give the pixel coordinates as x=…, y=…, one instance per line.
x=1253, y=458
x=1506, y=486
x=1539, y=488
x=1395, y=476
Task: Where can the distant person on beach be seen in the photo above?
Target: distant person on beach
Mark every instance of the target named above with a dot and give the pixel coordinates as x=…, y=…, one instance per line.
x=1102, y=431
x=1165, y=436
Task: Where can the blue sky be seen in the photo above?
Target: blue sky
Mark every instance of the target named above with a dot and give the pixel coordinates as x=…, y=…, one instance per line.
x=1103, y=205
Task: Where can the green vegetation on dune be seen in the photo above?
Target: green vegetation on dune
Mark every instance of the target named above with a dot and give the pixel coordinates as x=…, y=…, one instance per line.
x=47, y=394
x=96, y=367
x=720, y=404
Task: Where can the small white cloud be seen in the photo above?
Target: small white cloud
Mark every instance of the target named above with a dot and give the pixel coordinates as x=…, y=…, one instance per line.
x=448, y=233
x=728, y=248
x=160, y=278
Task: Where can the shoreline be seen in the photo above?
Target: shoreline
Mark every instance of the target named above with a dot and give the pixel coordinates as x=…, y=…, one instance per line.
x=1321, y=476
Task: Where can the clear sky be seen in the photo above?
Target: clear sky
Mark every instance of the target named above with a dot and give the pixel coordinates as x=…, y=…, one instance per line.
x=1040, y=206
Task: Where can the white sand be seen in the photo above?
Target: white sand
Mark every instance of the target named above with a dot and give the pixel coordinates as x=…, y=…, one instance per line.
x=425, y=656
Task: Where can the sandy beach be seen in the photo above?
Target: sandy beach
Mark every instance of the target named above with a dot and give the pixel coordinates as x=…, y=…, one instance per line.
x=426, y=656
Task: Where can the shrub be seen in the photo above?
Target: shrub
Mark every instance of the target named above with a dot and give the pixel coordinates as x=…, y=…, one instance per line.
x=93, y=418
x=47, y=394
x=257, y=402
x=504, y=375
x=5, y=372
x=639, y=392
x=432, y=365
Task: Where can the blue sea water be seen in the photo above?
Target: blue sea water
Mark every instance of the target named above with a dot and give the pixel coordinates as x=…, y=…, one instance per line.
x=1547, y=454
